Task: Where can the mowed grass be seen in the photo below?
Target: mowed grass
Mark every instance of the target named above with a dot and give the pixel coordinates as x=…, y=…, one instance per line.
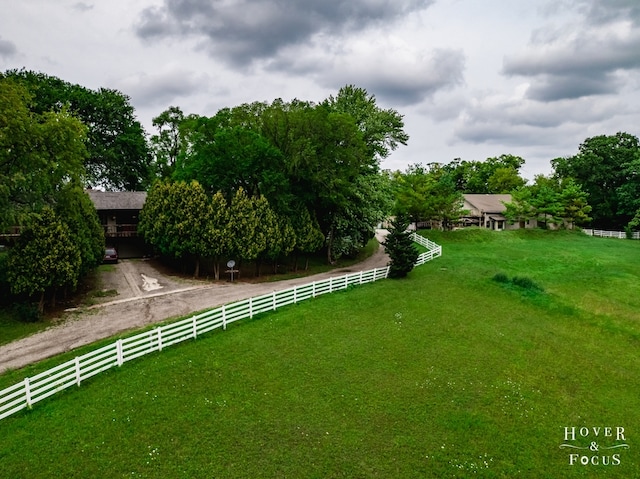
x=445, y=374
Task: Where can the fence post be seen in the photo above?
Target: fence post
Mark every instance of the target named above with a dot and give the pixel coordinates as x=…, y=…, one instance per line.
x=195, y=327
x=159, y=338
x=224, y=318
x=295, y=294
x=313, y=289
x=251, y=307
x=331, y=284
x=77, y=371
x=273, y=295
x=27, y=392
x=119, y=355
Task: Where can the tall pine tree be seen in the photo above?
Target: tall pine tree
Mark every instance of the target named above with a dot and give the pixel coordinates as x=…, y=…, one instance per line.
x=399, y=246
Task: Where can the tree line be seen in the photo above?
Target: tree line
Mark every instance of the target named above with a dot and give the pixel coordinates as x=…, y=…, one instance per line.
x=42, y=178
x=310, y=173
x=258, y=181
x=296, y=177
x=599, y=186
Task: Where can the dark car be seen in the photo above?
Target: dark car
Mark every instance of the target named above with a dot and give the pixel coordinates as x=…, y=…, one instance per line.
x=110, y=255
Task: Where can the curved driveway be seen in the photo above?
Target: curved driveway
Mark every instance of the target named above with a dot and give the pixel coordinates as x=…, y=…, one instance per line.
x=138, y=308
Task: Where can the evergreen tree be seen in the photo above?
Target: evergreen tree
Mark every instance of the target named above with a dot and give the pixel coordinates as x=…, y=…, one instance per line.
x=399, y=246
x=44, y=259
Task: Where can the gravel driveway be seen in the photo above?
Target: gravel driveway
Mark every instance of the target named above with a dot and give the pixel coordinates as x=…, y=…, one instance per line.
x=146, y=296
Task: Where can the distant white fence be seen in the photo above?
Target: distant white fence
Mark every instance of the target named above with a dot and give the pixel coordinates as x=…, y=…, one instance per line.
x=434, y=250
x=611, y=234
x=36, y=388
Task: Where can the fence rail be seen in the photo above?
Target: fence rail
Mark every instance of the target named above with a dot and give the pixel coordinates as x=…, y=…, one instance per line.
x=611, y=234
x=71, y=373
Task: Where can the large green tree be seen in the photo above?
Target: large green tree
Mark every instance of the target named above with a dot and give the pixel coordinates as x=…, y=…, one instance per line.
x=45, y=258
x=74, y=207
x=118, y=155
x=495, y=175
x=382, y=129
x=39, y=153
x=549, y=200
x=606, y=168
x=176, y=220
x=299, y=155
x=428, y=194
x=166, y=144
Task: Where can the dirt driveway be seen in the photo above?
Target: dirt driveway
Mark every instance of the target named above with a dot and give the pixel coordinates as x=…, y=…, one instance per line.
x=146, y=296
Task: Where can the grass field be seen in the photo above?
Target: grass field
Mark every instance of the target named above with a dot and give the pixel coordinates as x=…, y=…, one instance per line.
x=448, y=373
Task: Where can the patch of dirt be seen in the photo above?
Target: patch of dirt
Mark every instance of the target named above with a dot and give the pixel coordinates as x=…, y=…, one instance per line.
x=136, y=305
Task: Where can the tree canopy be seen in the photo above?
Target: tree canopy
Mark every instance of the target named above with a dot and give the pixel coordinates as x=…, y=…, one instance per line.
x=301, y=156
x=607, y=168
x=117, y=155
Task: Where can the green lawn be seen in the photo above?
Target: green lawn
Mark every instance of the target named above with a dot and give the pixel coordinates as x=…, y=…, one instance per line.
x=445, y=374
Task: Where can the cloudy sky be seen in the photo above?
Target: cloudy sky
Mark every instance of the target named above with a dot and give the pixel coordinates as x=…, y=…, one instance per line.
x=473, y=78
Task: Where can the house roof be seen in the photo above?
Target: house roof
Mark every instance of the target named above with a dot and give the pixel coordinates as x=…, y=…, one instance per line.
x=117, y=200
x=488, y=203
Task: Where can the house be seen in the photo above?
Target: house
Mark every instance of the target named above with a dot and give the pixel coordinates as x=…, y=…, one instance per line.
x=487, y=211
x=119, y=213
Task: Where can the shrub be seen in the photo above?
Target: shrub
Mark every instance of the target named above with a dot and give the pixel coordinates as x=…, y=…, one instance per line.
x=521, y=282
x=26, y=312
x=501, y=278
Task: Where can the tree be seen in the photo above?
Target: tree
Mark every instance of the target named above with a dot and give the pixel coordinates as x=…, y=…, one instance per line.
x=218, y=235
x=493, y=176
x=118, y=156
x=399, y=246
x=545, y=201
x=604, y=168
x=575, y=209
x=39, y=154
x=382, y=130
x=44, y=258
x=549, y=200
x=74, y=207
x=428, y=194
x=166, y=144
x=247, y=238
x=412, y=191
x=320, y=157
x=308, y=236
x=520, y=209
x=176, y=220
x=227, y=158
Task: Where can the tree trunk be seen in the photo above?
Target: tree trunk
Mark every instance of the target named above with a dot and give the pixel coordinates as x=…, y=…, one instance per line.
x=216, y=268
x=41, y=303
x=53, y=298
x=196, y=273
x=330, y=247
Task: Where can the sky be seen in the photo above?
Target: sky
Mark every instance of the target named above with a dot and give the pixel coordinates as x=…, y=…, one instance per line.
x=473, y=79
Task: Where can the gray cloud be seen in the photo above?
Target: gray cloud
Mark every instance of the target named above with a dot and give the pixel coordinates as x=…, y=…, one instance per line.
x=82, y=7
x=162, y=89
x=582, y=59
x=549, y=88
x=497, y=120
x=242, y=31
x=400, y=82
x=606, y=11
x=7, y=49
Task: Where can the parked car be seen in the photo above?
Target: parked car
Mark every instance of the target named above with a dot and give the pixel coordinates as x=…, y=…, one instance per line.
x=110, y=255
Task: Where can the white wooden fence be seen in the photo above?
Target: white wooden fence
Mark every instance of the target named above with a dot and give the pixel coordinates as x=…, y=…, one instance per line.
x=36, y=388
x=611, y=234
x=434, y=250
